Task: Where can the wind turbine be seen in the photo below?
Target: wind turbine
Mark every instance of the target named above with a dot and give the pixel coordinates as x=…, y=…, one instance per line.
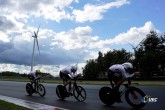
x=134, y=48
x=35, y=36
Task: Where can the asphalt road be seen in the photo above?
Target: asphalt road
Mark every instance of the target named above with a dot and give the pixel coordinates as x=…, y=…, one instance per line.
x=17, y=90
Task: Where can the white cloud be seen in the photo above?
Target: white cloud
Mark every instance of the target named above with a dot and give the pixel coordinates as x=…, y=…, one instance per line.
x=56, y=10
x=95, y=12
x=49, y=9
x=63, y=48
x=4, y=37
x=72, y=43
x=74, y=38
x=135, y=35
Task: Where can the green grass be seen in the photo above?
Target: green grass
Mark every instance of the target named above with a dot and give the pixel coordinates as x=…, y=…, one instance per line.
x=10, y=106
x=19, y=79
x=84, y=82
x=134, y=83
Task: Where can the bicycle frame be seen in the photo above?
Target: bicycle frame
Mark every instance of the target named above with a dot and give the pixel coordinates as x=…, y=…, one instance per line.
x=109, y=98
x=77, y=91
x=36, y=81
x=124, y=90
x=74, y=83
x=127, y=86
x=35, y=87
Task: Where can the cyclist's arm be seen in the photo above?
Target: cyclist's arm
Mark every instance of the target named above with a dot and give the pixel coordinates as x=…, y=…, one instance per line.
x=120, y=81
x=71, y=74
x=125, y=74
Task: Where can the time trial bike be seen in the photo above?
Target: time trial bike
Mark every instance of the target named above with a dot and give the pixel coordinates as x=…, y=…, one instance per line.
x=77, y=91
x=35, y=87
x=133, y=95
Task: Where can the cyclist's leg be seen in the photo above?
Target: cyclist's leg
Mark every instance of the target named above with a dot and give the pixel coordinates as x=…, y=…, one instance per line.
x=111, y=77
x=34, y=83
x=117, y=78
x=62, y=76
x=114, y=78
x=31, y=78
x=68, y=79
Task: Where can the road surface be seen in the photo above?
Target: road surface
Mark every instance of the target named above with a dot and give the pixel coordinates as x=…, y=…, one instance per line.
x=17, y=90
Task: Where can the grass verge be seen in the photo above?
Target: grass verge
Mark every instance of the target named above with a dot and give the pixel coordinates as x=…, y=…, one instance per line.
x=87, y=82
x=10, y=106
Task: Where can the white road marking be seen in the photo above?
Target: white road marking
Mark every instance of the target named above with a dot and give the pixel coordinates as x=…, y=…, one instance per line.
x=29, y=104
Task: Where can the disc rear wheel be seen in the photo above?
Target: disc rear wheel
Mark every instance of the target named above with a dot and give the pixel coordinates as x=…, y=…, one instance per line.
x=29, y=89
x=106, y=96
x=61, y=92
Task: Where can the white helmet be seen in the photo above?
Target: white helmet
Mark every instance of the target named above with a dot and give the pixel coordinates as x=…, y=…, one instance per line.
x=127, y=65
x=74, y=68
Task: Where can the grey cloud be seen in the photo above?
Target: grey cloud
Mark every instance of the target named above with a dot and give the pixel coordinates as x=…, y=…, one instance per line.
x=57, y=56
x=26, y=5
x=10, y=54
x=5, y=46
x=5, y=24
x=4, y=3
x=13, y=56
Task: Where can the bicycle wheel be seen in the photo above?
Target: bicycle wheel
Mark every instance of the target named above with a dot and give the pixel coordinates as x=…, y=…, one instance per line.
x=29, y=89
x=61, y=92
x=41, y=90
x=134, y=97
x=79, y=93
x=106, y=95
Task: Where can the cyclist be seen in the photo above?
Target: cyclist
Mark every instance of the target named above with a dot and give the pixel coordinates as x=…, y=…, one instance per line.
x=68, y=73
x=119, y=73
x=32, y=76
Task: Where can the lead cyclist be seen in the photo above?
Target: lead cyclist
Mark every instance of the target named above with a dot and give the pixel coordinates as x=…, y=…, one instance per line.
x=120, y=73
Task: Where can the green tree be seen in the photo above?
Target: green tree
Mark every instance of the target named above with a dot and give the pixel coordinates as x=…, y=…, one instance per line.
x=151, y=53
x=100, y=62
x=90, y=70
x=96, y=68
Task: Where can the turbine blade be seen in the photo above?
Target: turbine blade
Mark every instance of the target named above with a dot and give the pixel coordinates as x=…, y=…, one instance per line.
x=35, y=35
x=38, y=30
x=131, y=45
x=38, y=45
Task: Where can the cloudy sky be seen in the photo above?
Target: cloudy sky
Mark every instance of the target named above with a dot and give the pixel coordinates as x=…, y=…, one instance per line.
x=72, y=31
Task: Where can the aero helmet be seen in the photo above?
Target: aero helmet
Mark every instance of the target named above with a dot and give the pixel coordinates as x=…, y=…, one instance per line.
x=74, y=68
x=127, y=65
x=38, y=71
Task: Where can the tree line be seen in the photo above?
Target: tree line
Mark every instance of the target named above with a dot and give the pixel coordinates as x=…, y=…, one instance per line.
x=148, y=57
x=16, y=74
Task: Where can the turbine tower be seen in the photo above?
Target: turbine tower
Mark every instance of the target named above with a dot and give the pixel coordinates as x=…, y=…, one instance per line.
x=35, y=41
